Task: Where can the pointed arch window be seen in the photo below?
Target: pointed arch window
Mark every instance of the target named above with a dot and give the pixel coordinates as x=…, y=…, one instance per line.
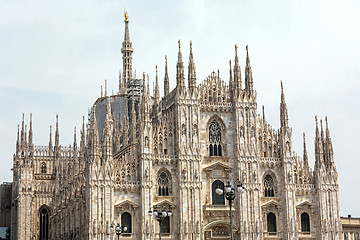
x=269, y=186
x=216, y=198
x=43, y=167
x=126, y=221
x=271, y=223
x=164, y=184
x=215, y=139
x=305, y=222
x=44, y=223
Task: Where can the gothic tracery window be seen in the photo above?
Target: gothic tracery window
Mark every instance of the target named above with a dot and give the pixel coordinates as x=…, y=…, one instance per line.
x=215, y=139
x=164, y=184
x=44, y=223
x=269, y=187
x=43, y=167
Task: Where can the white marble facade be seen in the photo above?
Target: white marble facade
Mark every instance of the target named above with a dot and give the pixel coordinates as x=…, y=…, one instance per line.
x=141, y=152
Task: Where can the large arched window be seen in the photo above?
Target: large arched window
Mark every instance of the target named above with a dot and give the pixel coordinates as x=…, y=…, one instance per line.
x=164, y=187
x=305, y=222
x=216, y=198
x=44, y=223
x=269, y=187
x=165, y=225
x=271, y=223
x=215, y=139
x=43, y=167
x=126, y=221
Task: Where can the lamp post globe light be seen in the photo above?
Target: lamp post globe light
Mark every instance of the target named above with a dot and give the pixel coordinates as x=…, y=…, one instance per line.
x=160, y=215
x=230, y=196
x=118, y=229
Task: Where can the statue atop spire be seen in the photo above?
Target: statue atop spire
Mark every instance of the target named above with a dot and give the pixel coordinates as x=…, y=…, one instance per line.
x=126, y=16
x=127, y=51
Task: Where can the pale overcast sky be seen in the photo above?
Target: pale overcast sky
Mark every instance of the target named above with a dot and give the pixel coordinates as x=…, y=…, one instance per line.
x=54, y=55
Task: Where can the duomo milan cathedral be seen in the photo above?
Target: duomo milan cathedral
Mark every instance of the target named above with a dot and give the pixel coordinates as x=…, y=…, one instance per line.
x=140, y=152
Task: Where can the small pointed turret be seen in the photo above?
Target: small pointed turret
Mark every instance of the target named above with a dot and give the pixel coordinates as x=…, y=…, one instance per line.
x=82, y=140
x=94, y=139
x=127, y=51
x=157, y=90
x=305, y=157
x=50, y=142
x=23, y=138
x=31, y=144
x=318, y=146
x=57, y=144
x=75, y=143
x=107, y=133
x=133, y=122
x=328, y=145
x=237, y=72
x=264, y=121
x=166, y=79
x=191, y=71
x=18, y=140
x=284, y=122
x=248, y=74
x=180, y=77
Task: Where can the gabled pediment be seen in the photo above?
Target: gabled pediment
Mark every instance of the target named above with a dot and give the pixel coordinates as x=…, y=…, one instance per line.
x=126, y=203
x=271, y=202
x=164, y=203
x=219, y=166
x=304, y=203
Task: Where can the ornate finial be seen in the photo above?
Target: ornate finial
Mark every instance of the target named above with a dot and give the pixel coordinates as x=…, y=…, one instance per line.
x=126, y=16
x=247, y=49
x=165, y=60
x=230, y=63
x=236, y=47
x=156, y=70
x=326, y=121
x=316, y=120
x=190, y=45
x=281, y=86
x=179, y=45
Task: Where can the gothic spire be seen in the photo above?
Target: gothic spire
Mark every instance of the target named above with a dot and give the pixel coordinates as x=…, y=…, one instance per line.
x=133, y=122
x=328, y=145
x=82, y=140
x=166, y=79
x=107, y=133
x=283, y=110
x=23, y=138
x=57, y=144
x=237, y=72
x=75, y=143
x=305, y=157
x=30, y=132
x=248, y=74
x=50, y=142
x=191, y=71
x=318, y=146
x=94, y=133
x=157, y=90
x=127, y=51
x=180, y=78
x=18, y=140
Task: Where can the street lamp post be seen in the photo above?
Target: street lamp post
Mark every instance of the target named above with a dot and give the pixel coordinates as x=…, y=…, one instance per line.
x=160, y=216
x=118, y=229
x=230, y=196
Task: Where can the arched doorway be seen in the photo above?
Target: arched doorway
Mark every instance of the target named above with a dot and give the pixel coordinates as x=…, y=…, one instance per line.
x=44, y=222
